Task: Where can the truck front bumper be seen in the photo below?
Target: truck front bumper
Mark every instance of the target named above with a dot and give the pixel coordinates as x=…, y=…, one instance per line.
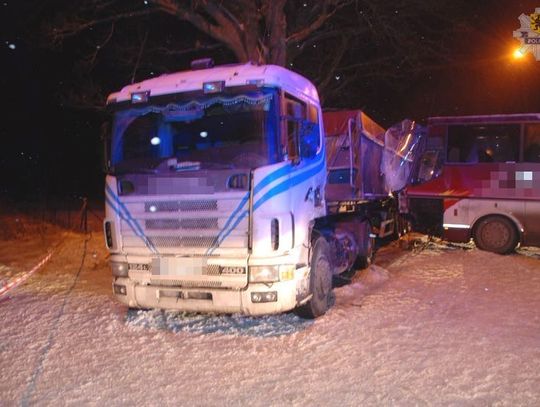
x=255, y=299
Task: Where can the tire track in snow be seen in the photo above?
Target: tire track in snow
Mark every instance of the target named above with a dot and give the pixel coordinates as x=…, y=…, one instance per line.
x=54, y=330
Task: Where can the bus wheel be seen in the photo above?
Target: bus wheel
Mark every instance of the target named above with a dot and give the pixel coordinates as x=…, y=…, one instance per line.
x=320, y=281
x=495, y=234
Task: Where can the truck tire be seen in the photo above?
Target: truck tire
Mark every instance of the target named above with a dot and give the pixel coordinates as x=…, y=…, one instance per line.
x=367, y=247
x=495, y=234
x=320, y=282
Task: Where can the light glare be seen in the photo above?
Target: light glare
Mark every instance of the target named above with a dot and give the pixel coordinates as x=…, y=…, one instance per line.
x=518, y=53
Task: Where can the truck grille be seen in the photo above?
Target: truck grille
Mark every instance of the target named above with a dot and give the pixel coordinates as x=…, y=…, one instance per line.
x=212, y=270
x=193, y=227
x=181, y=206
x=183, y=241
x=172, y=224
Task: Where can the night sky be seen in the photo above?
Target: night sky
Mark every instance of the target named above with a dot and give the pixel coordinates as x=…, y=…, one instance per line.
x=51, y=149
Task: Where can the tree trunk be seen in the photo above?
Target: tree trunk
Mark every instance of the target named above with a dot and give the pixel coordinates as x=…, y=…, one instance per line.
x=276, y=24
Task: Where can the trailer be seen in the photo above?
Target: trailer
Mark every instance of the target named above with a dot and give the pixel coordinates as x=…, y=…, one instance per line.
x=360, y=204
x=226, y=194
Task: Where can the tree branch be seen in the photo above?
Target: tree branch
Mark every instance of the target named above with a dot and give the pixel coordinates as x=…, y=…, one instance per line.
x=181, y=52
x=220, y=32
x=100, y=47
x=139, y=56
x=326, y=13
x=76, y=26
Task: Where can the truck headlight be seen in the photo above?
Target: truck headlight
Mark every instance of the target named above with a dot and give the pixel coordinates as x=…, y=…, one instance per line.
x=270, y=274
x=264, y=274
x=119, y=269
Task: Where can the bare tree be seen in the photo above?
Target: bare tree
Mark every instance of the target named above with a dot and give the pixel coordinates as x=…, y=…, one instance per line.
x=336, y=43
x=253, y=30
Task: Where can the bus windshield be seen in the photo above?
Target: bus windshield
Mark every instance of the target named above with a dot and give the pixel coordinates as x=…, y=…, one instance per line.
x=208, y=132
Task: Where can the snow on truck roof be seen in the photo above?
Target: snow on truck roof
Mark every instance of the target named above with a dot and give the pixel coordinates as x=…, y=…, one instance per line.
x=486, y=119
x=232, y=75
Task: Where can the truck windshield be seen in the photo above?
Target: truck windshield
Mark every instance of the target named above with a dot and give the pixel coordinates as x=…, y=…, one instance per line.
x=207, y=132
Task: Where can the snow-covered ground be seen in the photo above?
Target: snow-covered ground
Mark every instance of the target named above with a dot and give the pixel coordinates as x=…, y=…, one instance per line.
x=437, y=325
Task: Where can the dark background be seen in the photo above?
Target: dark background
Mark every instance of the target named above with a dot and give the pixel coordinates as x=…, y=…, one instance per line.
x=51, y=148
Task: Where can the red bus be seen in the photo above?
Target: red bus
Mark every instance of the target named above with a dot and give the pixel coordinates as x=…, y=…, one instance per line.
x=479, y=178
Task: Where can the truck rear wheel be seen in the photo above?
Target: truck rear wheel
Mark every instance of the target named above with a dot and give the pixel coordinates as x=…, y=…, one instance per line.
x=320, y=282
x=495, y=234
x=367, y=247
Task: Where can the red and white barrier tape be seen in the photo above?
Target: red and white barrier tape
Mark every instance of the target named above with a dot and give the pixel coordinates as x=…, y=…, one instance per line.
x=22, y=278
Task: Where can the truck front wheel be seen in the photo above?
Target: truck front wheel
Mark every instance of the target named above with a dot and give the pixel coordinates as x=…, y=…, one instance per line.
x=320, y=282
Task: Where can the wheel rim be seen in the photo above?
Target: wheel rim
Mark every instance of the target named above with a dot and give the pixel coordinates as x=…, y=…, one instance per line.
x=495, y=234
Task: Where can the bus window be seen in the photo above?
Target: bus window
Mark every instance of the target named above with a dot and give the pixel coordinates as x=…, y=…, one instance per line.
x=531, y=148
x=483, y=143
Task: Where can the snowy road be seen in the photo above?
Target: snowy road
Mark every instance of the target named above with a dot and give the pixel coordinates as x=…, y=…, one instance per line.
x=442, y=326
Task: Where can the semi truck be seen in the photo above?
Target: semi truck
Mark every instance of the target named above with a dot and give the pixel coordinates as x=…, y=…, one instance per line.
x=226, y=194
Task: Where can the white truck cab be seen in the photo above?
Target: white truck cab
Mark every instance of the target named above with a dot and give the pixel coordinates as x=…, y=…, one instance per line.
x=216, y=179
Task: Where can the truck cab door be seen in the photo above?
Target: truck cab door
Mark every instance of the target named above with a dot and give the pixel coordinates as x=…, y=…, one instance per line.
x=306, y=179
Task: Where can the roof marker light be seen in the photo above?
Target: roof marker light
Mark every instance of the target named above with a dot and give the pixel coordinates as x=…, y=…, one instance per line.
x=213, y=87
x=140, y=97
x=203, y=63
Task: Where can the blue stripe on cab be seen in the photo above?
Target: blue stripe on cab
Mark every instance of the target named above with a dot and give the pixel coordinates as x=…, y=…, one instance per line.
x=124, y=213
x=278, y=189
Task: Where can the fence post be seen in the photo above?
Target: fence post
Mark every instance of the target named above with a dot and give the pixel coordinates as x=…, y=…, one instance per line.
x=84, y=215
